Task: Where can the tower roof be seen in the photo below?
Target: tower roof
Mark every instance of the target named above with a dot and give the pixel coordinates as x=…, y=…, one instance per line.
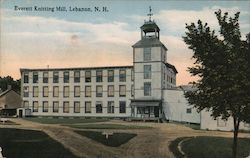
x=149, y=42
x=150, y=26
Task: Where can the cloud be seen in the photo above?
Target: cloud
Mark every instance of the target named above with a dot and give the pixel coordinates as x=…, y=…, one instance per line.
x=35, y=41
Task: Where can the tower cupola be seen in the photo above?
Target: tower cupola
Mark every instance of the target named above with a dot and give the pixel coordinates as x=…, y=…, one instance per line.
x=149, y=29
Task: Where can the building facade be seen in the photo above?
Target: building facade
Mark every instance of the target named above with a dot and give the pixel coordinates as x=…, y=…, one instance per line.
x=134, y=91
x=10, y=101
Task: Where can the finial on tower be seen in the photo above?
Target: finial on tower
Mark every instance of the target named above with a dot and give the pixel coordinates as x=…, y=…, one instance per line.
x=150, y=13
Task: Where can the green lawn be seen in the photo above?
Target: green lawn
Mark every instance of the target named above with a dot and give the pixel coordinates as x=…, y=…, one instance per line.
x=211, y=147
x=65, y=120
x=105, y=126
x=114, y=140
x=17, y=143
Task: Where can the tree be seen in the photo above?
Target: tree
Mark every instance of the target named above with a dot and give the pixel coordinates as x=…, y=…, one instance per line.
x=9, y=81
x=223, y=65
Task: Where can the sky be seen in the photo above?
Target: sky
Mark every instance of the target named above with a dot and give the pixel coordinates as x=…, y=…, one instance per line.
x=62, y=39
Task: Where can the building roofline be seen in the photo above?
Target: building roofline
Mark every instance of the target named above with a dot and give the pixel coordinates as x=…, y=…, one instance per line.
x=7, y=91
x=172, y=67
x=75, y=68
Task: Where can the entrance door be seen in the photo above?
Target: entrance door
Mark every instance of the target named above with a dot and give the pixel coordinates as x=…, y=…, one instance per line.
x=156, y=111
x=20, y=113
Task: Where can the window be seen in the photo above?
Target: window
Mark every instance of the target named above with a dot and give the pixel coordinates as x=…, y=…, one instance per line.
x=35, y=77
x=35, y=91
x=26, y=104
x=25, y=91
x=87, y=91
x=55, y=77
x=221, y=123
x=45, y=77
x=66, y=107
x=77, y=91
x=122, y=107
x=26, y=77
x=122, y=76
x=98, y=91
x=189, y=111
x=99, y=76
x=147, y=54
x=147, y=71
x=132, y=90
x=66, y=77
x=66, y=91
x=110, y=75
x=35, y=106
x=111, y=91
x=147, y=89
x=98, y=107
x=76, y=107
x=122, y=90
x=77, y=76
x=87, y=107
x=55, y=106
x=45, y=91
x=55, y=91
x=45, y=106
x=111, y=107
x=87, y=76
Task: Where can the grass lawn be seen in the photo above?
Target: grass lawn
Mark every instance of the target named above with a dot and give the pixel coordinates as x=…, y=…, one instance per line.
x=106, y=126
x=47, y=120
x=213, y=147
x=18, y=143
x=114, y=140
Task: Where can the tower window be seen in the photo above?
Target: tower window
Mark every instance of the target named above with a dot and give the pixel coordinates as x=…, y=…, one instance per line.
x=147, y=71
x=147, y=89
x=147, y=54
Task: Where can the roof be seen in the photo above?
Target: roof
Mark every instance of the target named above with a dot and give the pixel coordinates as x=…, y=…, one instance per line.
x=172, y=67
x=5, y=92
x=149, y=42
x=76, y=68
x=150, y=26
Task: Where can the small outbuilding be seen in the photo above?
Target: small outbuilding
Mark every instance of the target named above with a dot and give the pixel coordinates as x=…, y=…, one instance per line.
x=10, y=101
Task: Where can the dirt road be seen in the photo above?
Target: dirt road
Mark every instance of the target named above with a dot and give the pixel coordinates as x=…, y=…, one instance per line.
x=149, y=143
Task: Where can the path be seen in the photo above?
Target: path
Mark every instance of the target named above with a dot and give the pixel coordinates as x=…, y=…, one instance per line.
x=149, y=143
